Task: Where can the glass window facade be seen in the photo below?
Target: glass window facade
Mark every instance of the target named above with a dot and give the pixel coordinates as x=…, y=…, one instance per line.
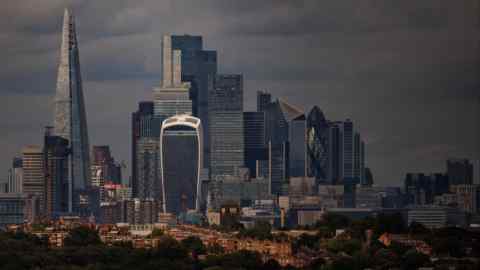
x=181, y=163
x=226, y=125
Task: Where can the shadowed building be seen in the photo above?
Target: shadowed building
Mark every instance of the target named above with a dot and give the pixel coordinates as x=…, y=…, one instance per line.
x=460, y=171
x=181, y=162
x=56, y=153
x=226, y=125
x=148, y=179
x=318, y=145
x=286, y=138
x=144, y=125
x=197, y=66
x=263, y=99
x=255, y=149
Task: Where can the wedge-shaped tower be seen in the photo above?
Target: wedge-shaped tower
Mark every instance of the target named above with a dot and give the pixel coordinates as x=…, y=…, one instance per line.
x=70, y=119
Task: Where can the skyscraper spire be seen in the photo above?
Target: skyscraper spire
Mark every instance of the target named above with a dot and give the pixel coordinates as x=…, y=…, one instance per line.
x=70, y=118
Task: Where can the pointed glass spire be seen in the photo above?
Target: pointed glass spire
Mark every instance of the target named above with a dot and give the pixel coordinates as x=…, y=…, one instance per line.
x=70, y=117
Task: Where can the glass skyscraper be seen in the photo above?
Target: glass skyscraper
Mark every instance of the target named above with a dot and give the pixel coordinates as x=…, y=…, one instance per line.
x=359, y=159
x=286, y=137
x=298, y=147
x=317, y=145
x=347, y=151
x=254, y=135
x=181, y=162
x=70, y=119
x=333, y=161
x=226, y=125
x=198, y=65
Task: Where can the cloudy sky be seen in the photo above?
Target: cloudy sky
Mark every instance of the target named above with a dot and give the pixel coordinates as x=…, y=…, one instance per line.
x=406, y=72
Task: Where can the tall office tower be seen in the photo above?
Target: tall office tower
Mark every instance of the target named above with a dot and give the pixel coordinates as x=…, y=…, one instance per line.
x=226, y=125
x=55, y=156
x=298, y=147
x=334, y=147
x=286, y=136
x=197, y=66
x=33, y=173
x=362, y=163
x=358, y=159
x=172, y=97
x=263, y=99
x=15, y=179
x=317, y=145
x=347, y=151
x=181, y=160
x=143, y=126
x=148, y=184
x=70, y=117
x=347, y=163
x=255, y=148
x=460, y=171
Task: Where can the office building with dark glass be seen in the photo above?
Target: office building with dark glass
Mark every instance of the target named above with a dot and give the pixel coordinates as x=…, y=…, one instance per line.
x=255, y=147
x=286, y=138
x=226, y=125
x=56, y=175
x=198, y=65
x=181, y=162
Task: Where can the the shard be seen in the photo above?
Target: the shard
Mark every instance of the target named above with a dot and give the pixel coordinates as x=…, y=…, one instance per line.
x=70, y=118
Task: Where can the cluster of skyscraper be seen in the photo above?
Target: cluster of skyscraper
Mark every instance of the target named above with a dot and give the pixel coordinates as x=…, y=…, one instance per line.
x=276, y=142
x=192, y=145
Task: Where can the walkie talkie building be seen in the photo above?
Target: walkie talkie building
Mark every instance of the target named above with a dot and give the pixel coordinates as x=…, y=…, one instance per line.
x=181, y=160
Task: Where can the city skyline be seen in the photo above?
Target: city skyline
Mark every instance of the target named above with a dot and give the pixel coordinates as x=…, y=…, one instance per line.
x=418, y=141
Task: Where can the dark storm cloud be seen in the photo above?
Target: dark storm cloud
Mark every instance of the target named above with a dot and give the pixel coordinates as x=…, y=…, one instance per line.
x=405, y=71
x=357, y=17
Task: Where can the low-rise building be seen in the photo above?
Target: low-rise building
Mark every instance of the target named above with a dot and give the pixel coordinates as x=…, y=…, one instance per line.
x=12, y=206
x=468, y=197
x=436, y=217
x=419, y=245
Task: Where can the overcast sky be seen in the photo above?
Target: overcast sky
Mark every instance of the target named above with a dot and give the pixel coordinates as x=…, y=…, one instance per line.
x=406, y=72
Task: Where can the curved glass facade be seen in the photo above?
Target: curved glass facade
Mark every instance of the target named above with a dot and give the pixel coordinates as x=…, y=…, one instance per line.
x=181, y=162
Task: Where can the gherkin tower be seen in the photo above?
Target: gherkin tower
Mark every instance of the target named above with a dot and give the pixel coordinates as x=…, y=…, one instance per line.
x=70, y=119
